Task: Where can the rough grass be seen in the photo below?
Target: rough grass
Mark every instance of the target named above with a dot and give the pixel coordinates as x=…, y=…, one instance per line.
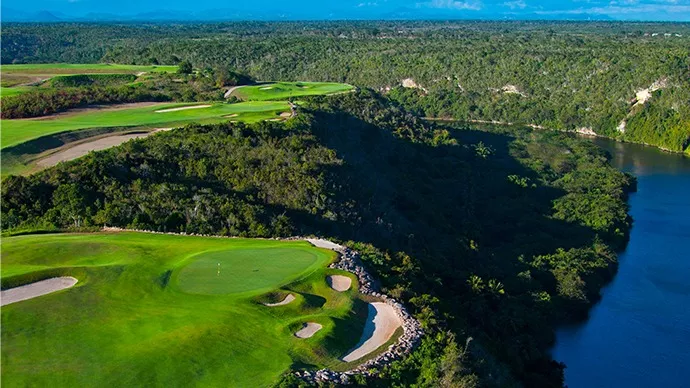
x=128, y=323
x=21, y=130
x=285, y=90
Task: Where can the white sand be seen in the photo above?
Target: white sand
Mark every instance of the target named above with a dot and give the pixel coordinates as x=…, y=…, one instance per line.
x=228, y=93
x=339, y=283
x=183, y=108
x=232, y=115
x=382, y=323
x=321, y=243
x=309, y=329
x=288, y=298
x=36, y=289
x=266, y=88
x=286, y=114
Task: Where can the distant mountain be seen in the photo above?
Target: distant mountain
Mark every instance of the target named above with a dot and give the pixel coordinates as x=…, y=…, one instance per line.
x=13, y=15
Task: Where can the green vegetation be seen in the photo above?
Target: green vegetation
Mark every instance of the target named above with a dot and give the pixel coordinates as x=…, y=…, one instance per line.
x=128, y=322
x=7, y=91
x=285, y=90
x=565, y=75
x=17, y=131
x=497, y=235
x=86, y=68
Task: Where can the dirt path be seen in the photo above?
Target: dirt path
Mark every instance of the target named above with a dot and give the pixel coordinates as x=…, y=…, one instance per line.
x=288, y=298
x=183, y=108
x=382, y=323
x=36, y=289
x=309, y=329
x=339, y=283
x=84, y=148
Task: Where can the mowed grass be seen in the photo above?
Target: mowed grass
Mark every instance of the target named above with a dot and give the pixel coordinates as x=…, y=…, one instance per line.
x=285, y=90
x=20, y=130
x=13, y=90
x=74, y=68
x=245, y=270
x=129, y=322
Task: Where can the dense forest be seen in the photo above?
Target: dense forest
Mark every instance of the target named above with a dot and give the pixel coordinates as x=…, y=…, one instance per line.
x=493, y=238
x=558, y=75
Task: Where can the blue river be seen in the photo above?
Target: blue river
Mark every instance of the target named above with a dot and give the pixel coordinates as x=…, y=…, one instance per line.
x=638, y=335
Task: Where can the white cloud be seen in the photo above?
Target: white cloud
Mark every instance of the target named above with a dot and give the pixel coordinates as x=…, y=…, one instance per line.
x=615, y=9
x=472, y=5
x=517, y=4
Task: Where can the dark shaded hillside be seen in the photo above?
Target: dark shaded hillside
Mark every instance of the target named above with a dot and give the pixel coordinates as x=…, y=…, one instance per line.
x=497, y=237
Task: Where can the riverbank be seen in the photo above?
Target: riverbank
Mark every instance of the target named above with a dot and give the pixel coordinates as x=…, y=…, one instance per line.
x=584, y=131
x=640, y=329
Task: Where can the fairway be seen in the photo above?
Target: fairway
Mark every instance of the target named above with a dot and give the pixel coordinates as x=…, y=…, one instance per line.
x=20, y=130
x=74, y=68
x=241, y=270
x=130, y=322
x=285, y=90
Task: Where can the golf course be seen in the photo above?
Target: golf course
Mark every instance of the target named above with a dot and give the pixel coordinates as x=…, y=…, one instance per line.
x=285, y=90
x=149, y=115
x=162, y=310
x=20, y=78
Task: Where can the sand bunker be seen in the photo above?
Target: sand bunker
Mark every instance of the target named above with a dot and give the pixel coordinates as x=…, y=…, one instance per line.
x=266, y=88
x=321, y=243
x=339, y=283
x=232, y=115
x=382, y=323
x=288, y=298
x=36, y=289
x=82, y=149
x=286, y=114
x=182, y=108
x=309, y=329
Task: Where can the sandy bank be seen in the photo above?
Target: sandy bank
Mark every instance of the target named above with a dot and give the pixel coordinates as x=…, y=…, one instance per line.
x=183, y=108
x=339, y=283
x=309, y=329
x=288, y=298
x=33, y=290
x=382, y=323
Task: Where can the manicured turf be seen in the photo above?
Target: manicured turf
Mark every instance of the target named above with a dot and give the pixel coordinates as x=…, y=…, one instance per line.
x=12, y=91
x=21, y=130
x=227, y=272
x=285, y=90
x=71, y=68
x=128, y=322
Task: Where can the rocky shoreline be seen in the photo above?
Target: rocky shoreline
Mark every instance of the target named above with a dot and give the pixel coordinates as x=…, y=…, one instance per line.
x=412, y=331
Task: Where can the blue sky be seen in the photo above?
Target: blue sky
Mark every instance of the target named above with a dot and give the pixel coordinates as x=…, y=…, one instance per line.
x=676, y=10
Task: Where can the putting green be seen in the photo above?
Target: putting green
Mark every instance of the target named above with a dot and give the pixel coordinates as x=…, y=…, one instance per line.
x=241, y=270
x=285, y=90
x=128, y=322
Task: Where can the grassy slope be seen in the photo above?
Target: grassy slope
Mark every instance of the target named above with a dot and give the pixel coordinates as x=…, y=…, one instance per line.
x=127, y=323
x=285, y=90
x=12, y=91
x=21, y=130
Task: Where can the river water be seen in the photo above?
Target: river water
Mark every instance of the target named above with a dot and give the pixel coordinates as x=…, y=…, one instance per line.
x=638, y=335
